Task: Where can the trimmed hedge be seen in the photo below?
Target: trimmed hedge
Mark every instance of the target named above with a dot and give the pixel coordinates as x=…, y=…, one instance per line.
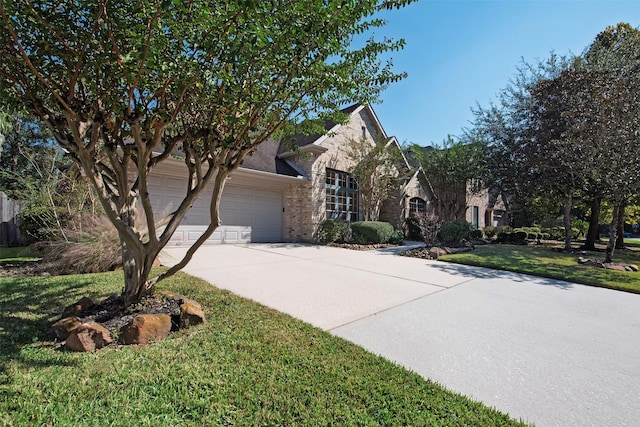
x=333, y=230
x=454, y=231
x=371, y=232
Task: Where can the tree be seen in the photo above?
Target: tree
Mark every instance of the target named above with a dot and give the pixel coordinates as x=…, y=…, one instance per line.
x=124, y=85
x=508, y=128
x=377, y=168
x=451, y=170
x=613, y=63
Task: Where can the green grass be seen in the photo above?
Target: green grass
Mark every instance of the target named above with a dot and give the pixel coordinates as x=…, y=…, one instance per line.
x=19, y=254
x=247, y=365
x=542, y=261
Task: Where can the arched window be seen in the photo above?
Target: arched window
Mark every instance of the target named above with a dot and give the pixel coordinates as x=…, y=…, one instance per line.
x=417, y=206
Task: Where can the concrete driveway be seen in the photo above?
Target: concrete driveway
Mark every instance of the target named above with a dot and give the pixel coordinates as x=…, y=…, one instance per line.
x=549, y=352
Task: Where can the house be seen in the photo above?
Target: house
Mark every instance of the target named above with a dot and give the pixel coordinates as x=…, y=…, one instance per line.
x=283, y=195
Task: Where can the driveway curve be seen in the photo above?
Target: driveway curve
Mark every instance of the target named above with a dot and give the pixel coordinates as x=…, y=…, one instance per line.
x=552, y=353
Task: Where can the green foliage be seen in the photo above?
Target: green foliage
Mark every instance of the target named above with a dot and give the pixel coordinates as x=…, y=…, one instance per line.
x=38, y=223
x=123, y=84
x=422, y=227
x=539, y=260
x=490, y=231
x=375, y=169
x=397, y=237
x=333, y=230
x=580, y=226
x=556, y=233
x=454, y=231
x=448, y=169
x=412, y=228
x=475, y=234
x=371, y=232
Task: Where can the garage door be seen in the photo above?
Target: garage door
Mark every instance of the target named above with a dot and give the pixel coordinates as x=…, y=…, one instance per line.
x=248, y=214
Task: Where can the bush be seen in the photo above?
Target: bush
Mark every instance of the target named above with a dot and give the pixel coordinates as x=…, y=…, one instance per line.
x=397, y=237
x=490, y=231
x=331, y=231
x=454, y=231
x=502, y=237
x=519, y=235
x=556, y=233
x=412, y=228
x=39, y=223
x=475, y=234
x=371, y=232
x=94, y=247
x=423, y=227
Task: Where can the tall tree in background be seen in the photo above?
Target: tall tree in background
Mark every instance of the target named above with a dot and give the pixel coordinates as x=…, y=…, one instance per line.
x=451, y=169
x=124, y=85
x=508, y=127
x=613, y=64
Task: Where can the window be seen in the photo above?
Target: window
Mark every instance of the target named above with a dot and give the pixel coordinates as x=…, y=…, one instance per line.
x=475, y=217
x=341, y=198
x=417, y=206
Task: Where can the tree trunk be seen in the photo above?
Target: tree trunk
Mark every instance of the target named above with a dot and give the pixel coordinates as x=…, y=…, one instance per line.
x=594, y=225
x=568, y=233
x=620, y=230
x=137, y=261
x=613, y=232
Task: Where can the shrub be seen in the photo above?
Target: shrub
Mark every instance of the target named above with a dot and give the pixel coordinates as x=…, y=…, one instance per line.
x=504, y=229
x=545, y=236
x=519, y=235
x=423, y=227
x=556, y=233
x=397, y=237
x=93, y=247
x=39, y=223
x=412, y=228
x=475, y=234
x=502, y=237
x=490, y=231
x=331, y=231
x=371, y=232
x=454, y=231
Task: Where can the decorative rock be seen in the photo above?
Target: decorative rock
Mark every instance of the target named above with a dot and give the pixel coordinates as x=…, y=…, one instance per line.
x=146, y=327
x=88, y=337
x=435, y=252
x=616, y=267
x=190, y=314
x=63, y=327
x=633, y=267
x=77, y=308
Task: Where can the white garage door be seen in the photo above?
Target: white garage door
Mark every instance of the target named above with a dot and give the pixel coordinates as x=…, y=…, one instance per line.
x=248, y=214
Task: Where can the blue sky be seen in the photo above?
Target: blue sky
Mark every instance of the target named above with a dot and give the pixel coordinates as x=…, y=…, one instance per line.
x=463, y=52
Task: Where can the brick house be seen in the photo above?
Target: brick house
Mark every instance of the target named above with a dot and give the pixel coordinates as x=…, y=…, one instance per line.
x=282, y=195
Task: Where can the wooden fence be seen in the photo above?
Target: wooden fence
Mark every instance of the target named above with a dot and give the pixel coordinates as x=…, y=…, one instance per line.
x=9, y=232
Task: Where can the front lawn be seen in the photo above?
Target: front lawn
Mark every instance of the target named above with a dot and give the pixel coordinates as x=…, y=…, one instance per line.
x=18, y=254
x=542, y=261
x=248, y=365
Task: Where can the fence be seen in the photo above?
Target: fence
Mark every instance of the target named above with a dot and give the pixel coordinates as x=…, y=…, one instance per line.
x=9, y=232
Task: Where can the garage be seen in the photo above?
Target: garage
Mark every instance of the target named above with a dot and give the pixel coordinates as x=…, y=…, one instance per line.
x=248, y=213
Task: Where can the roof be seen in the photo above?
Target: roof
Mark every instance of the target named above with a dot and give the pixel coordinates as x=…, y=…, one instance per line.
x=301, y=139
x=265, y=159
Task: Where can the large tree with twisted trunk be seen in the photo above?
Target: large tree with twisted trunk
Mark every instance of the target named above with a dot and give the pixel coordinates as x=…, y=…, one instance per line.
x=125, y=84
